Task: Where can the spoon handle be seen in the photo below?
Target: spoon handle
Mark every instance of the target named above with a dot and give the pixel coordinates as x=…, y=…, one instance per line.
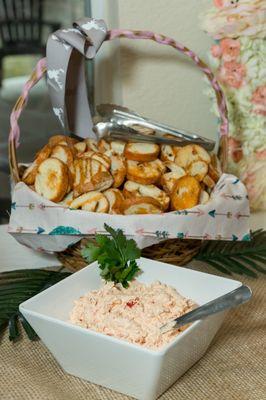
x=229, y=300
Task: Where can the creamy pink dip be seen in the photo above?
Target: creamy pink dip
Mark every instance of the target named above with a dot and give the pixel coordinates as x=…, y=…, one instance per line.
x=134, y=314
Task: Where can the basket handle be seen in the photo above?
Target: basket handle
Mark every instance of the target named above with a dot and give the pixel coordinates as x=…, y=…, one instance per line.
x=40, y=70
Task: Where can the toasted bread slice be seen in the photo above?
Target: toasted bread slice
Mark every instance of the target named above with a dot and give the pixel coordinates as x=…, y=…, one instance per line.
x=90, y=175
x=101, y=157
x=142, y=151
x=198, y=169
x=168, y=153
x=169, y=179
x=93, y=201
x=67, y=200
x=63, y=153
x=134, y=190
x=185, y=193
x=117, y=147
x=118, y=170
x=52, y=179
x=82, y=178
x=29, y=174
x=215, y=170
x=102, y=180
x=54, y=140
x=61, y=139
x=209, y=182
x=103, y=146
x=86, y=154
x=146, y=173
x=204, y=197
x=115, y=199
x=173, y=167
x=80, y=147
x=92, y=145
x=191, y=153
x=141, y=205
x=43, y=154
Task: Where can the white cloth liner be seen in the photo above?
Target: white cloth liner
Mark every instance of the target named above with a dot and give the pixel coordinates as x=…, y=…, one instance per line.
x=46, y=226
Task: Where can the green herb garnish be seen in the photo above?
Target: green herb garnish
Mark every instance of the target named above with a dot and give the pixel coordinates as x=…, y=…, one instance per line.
x=116, y=256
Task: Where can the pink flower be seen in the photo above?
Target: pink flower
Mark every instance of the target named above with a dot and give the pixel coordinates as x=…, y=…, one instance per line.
x=232, y=74
x=216, y=51
x=225, y=3
x=219, y=3
x=235, y=149
x=261, y=155
x=259, y=96
x=230, y=49
x=259, y=100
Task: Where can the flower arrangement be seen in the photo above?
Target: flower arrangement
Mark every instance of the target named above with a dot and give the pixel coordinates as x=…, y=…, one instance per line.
x=239, y=63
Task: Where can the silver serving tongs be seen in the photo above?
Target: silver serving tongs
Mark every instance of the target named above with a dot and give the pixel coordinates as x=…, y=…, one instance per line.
x=117, y=122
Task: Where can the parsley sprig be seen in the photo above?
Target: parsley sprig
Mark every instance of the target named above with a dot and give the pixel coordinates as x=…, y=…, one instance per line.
x=116, y=256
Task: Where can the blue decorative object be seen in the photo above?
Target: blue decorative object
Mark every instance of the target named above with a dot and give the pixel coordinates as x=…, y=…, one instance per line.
x=162, y=234
x=64, y=230
x=40, y=230
x=246, y=238
x=212, y=213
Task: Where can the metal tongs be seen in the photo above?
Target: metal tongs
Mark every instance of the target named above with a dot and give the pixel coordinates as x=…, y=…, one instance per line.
x=119, y=123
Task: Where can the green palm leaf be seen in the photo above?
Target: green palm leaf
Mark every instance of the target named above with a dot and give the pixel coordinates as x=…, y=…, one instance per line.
x=244, y=258
x=18, y=286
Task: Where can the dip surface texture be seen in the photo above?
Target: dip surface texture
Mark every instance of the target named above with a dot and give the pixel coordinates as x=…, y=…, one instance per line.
x=134, y=314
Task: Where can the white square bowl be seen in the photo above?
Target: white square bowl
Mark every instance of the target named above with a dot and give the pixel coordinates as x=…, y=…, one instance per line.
x=127, y=368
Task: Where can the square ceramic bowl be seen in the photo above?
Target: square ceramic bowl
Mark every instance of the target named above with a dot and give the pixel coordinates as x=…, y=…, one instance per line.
x=127, y=368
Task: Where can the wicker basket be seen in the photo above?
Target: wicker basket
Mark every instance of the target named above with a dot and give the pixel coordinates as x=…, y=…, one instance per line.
x=174, y=250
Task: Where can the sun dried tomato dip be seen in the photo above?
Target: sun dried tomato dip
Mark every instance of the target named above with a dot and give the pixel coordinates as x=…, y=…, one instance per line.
x=134, y=314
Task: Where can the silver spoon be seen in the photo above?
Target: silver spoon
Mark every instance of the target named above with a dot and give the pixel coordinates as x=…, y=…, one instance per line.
x=229, y=300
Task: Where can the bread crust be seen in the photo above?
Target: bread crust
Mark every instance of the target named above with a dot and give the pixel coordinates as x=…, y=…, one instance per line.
x=92, y=145
x=103, y=146
x=204, y=197
x=52, y=179
x=141, y=205
x=115, y=198
x=117, y=147
x=214, y=170
x=146, y=173
x=209, y=182
x=90, y=175
x=93, y=201
x=191, y=153
x=168, y=152
x=136, y=190
x=198, y=169
x=118, y=169
x=142, y=151
x=80, y=147
x=185, y=193
x=30, y=172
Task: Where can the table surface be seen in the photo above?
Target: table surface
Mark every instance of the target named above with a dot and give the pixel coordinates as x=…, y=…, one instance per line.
x=232, y=369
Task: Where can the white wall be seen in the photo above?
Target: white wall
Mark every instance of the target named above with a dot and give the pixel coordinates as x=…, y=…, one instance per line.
x=155, y=80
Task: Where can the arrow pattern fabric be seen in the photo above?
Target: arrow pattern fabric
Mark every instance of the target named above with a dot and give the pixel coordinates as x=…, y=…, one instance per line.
x=41, y=224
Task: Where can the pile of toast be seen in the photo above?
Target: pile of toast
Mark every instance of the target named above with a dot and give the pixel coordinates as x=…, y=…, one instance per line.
x=122, y=178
